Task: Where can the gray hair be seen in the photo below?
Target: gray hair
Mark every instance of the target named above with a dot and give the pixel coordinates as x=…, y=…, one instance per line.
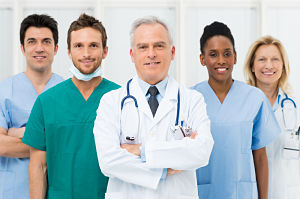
x=148, y=20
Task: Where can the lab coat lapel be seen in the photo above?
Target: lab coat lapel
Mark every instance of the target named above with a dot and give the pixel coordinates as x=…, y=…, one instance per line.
x=141, y=99
x=168, y=101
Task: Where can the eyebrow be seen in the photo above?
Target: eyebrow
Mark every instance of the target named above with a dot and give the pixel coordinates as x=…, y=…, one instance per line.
x=33, y=39
x=226, y=49
x=160, y=42
x=155, y=43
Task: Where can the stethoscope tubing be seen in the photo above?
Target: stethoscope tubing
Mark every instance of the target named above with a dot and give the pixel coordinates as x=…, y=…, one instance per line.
x=129, y=96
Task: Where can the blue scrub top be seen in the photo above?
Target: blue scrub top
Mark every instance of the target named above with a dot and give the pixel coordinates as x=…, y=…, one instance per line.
x=17, y=96
x=242, y=123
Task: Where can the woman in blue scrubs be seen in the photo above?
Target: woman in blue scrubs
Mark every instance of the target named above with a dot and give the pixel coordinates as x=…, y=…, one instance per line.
x=242, y=124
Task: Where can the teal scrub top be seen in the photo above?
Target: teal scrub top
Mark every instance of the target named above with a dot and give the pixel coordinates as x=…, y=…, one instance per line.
x=61, y=123
x=242, y=123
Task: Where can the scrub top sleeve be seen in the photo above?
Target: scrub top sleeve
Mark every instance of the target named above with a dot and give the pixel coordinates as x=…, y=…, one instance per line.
x=34, y=135
x=4, y=119
x=265, y=127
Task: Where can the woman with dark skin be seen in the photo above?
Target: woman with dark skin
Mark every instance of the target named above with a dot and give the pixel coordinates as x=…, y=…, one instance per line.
x=242, y=124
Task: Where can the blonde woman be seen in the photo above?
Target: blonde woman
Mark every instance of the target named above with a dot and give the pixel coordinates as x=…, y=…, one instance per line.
x=267, y=67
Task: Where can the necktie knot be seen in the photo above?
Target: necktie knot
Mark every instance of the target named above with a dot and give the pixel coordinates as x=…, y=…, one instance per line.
x=153, y=91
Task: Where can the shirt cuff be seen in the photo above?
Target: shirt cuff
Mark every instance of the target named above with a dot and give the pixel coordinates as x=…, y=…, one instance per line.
x=142, y=154
x=164, y=174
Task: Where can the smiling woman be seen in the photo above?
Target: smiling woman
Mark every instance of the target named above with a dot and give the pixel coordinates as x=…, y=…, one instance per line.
x=242, y=124
x=267, y=67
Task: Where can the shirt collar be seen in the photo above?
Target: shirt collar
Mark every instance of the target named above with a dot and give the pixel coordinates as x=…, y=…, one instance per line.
x=161, y=86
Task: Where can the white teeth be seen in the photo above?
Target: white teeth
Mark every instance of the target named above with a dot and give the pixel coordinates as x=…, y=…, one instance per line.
x=152, y=63
x=268, y=73
x=221, y=69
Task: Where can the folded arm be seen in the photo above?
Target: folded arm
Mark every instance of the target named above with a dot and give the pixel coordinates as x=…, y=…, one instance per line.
x=188, y=153
x=11, y=144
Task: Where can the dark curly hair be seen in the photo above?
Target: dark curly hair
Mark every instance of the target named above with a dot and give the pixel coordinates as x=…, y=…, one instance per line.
x=215, y=29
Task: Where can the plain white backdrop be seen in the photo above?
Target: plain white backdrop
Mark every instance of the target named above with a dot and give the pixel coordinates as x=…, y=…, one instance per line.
x=247, y=19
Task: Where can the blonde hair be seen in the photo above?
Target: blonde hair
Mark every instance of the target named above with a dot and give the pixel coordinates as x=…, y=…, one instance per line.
x=250, y=76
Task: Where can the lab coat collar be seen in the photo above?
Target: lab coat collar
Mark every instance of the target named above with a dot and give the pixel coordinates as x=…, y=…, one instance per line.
x=166, y=104
x=137, y=92
x=277, y=103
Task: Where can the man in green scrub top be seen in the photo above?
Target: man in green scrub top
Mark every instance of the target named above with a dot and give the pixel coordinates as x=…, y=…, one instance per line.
x=63, y=160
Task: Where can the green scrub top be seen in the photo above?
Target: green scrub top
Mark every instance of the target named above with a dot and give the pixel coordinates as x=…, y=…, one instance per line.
x=61, y=123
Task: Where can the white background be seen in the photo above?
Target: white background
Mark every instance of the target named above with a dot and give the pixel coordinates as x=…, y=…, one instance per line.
x=247, y=19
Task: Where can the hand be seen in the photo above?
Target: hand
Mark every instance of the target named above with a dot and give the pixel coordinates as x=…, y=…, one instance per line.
x=16, y=132
x=193, y=135
x=132, y=148
x=173, y=171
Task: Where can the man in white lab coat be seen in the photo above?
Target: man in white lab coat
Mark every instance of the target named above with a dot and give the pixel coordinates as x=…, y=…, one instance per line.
x=152, y=134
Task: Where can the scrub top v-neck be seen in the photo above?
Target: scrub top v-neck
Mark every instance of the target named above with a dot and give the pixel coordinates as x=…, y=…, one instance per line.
x=61, y=123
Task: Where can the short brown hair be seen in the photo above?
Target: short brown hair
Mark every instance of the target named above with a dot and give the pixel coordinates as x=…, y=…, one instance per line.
x=85, y=21
x=267, y=40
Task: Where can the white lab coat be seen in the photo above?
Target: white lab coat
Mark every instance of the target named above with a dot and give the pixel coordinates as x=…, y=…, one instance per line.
x=284, y=174
x=131, y=178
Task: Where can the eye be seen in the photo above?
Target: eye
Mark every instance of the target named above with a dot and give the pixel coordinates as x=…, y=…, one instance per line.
x=275, y=59
x=94, y=45
x=47, y=42
x=261, y=59
x=77, y=46
x=213, y=54
x=30, y=41
x=227, y=54
x=142, y=47
x=159, y=46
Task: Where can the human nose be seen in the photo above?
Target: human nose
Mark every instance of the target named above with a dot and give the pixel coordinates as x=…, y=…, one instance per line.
x=85, y=52
x=269, y=64
x=151, y=53
x=221, y=60
x=39, y=47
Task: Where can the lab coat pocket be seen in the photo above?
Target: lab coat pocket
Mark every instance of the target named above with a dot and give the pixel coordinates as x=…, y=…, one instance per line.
x=248, y=189
x=114, y=195
x=204, y=191
x=7, y=185
x=293, y=192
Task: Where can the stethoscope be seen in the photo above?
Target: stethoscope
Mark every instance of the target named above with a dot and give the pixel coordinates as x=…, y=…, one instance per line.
x=288, y=125
x=129, y=96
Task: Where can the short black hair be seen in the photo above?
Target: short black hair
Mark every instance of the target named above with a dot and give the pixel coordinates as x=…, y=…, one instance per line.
x=39, y=21
x=215, y=29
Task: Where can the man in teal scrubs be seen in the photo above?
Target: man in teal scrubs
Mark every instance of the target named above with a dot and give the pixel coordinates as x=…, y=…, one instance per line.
x=63, y=159
x=38, y=38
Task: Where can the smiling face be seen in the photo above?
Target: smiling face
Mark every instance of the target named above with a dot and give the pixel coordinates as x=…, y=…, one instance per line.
x=152, y=52
x=267, y=65
x=219, y=58
x=39, y=49
x=86, y=50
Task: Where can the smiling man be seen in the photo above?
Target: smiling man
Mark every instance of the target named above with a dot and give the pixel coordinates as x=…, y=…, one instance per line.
x=152, y=134
x=39, y=38
x=63, y=159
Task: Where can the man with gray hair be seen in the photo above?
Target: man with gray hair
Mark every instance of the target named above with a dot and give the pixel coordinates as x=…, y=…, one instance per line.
x=152, y=134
